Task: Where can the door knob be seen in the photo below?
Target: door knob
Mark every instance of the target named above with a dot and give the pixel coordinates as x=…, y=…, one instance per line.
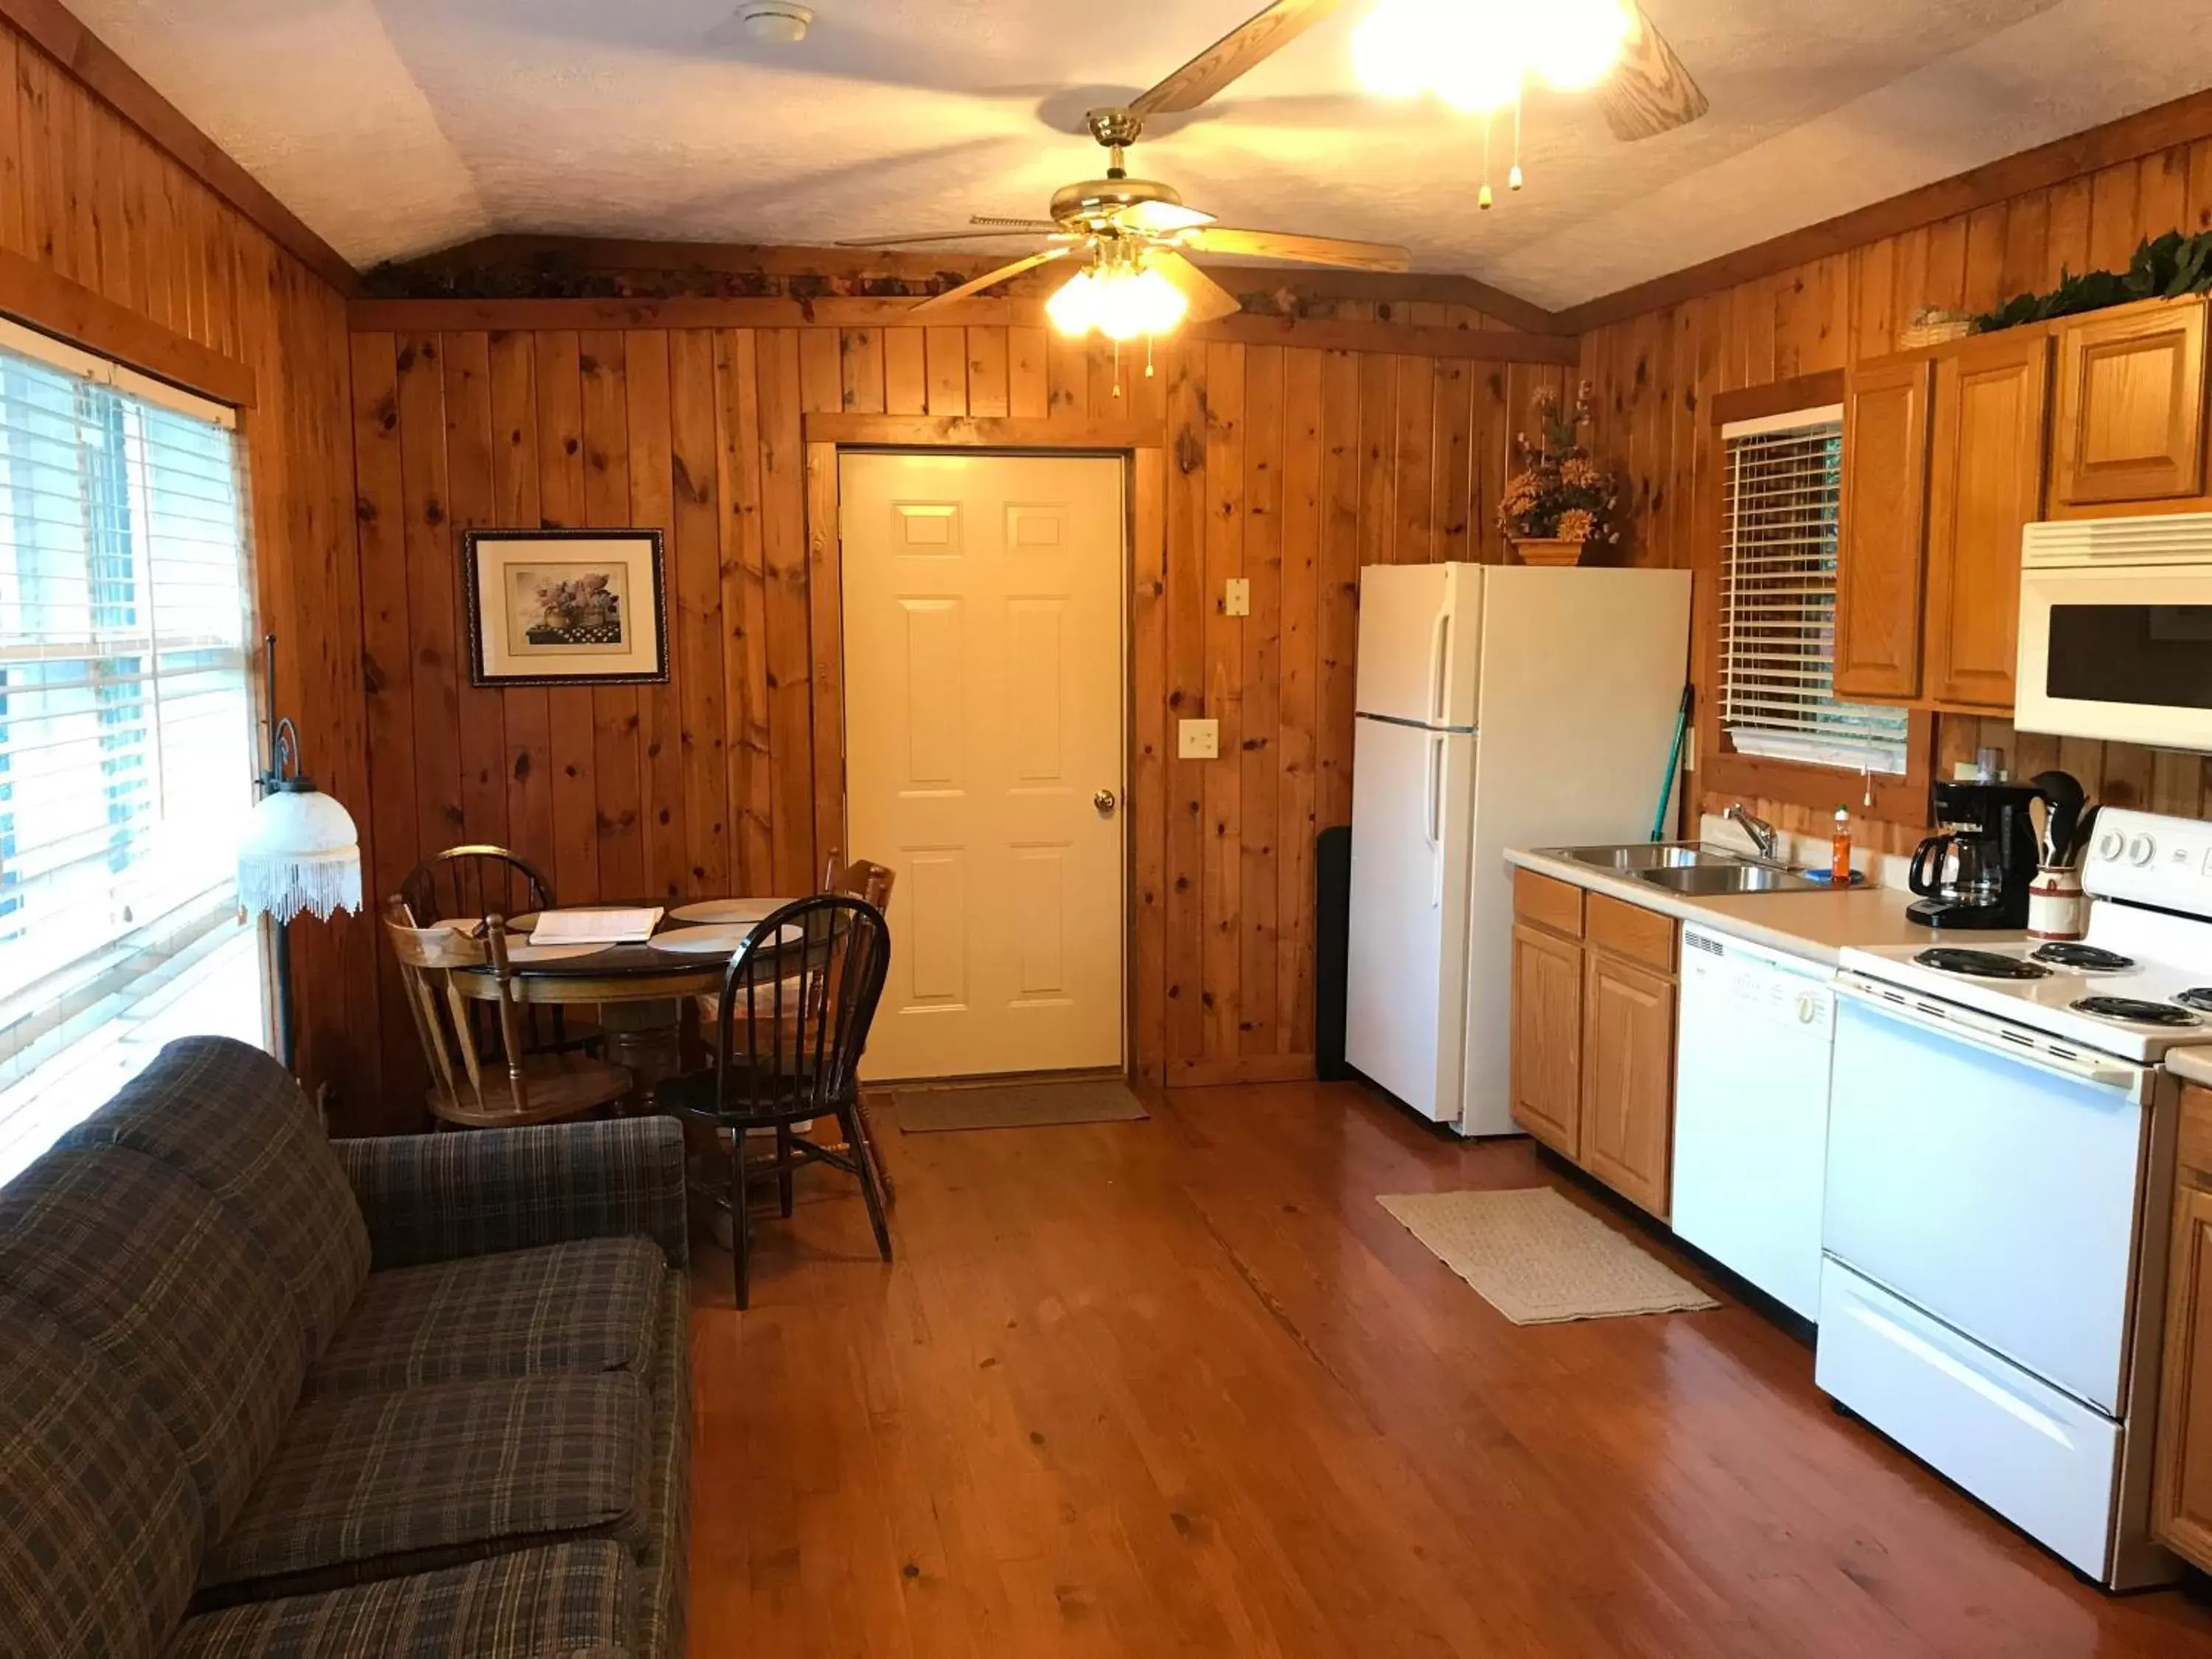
x=1105, y=801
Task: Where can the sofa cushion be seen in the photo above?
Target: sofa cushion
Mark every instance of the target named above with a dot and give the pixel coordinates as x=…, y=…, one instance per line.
x=665, y=1567
x=100, y=1525
x=371, y=1486
x=233, y=1120
x=590, y=1305
x=149, y=1268
x=571, y=1601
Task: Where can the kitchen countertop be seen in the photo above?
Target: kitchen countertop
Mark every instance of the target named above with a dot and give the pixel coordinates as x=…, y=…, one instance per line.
x=2191, y=1064
x=1818, y=926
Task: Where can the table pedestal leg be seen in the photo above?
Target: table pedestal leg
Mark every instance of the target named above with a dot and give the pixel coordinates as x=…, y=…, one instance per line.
x=643, y=1037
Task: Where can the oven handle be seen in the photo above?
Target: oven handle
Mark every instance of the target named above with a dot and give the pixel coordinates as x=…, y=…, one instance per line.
x=2131, y=1080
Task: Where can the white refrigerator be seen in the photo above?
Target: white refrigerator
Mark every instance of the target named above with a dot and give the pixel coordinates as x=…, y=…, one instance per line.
x=1498, y=705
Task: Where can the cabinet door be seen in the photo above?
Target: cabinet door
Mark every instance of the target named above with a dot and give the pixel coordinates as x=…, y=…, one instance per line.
x=2131, y=418
x=2182, y=1493
x=1628, y=1079
x=1547, y=1036
x=1883, y=533
x=1985, y=484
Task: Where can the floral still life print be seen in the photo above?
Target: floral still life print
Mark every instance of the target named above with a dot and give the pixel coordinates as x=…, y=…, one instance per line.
x=578, y=606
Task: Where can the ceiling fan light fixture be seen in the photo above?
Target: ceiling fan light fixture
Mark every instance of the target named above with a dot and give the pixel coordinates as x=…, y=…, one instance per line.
x=1475, y=55
x=780, y=23
x=1120, y=301
x=1578, y=41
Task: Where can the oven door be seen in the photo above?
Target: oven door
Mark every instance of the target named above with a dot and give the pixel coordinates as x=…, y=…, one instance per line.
x=2123, y=653
x=1996, y=1186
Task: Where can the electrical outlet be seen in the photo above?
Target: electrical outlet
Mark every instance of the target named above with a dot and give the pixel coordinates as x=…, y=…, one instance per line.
x=1236, y=601
x=1197, y=740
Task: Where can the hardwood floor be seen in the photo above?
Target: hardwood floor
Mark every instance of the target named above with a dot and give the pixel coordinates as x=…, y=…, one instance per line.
x=1183, y=1388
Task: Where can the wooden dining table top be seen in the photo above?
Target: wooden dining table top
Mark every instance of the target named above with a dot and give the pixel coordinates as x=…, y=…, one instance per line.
x=618, y=972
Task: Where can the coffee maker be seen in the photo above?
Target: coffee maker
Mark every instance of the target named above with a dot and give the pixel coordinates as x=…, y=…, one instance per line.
x=1975, y=870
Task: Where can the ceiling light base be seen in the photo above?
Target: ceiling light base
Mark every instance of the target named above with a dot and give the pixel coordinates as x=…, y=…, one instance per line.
x=1094, y=200
x=781, y=23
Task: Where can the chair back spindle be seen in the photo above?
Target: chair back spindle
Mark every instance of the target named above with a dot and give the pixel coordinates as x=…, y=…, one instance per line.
x=796, y=1004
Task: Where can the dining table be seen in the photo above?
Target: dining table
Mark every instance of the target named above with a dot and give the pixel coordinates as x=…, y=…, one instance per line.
x=639, y=989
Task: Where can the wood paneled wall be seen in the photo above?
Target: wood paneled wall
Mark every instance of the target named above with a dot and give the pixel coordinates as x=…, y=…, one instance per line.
x=1655, y=375
x=1289, y=465
x=90, y=199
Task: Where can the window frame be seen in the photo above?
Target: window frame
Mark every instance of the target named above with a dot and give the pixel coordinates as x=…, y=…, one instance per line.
x=1893, y=798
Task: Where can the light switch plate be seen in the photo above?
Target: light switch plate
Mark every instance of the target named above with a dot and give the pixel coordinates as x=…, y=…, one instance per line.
x=1236, y=601
x=1197, y=740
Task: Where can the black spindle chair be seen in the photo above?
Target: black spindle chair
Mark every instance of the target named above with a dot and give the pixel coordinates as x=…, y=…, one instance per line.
x=796, y=1005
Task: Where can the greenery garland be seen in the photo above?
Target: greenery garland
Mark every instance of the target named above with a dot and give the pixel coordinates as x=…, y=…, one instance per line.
x=2165, y=268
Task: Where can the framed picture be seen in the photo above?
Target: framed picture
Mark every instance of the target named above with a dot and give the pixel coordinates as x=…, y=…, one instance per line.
x=565, y=607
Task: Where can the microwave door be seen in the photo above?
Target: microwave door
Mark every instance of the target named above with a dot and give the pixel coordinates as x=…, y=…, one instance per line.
x=2122, y=655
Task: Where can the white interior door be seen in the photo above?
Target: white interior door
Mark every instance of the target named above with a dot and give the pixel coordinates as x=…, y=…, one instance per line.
x=984, y=745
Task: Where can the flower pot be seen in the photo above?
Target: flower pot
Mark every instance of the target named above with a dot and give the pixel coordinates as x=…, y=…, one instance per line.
x=1549, y=550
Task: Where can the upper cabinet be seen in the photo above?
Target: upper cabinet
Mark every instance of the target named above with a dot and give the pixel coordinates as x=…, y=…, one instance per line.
x=1883, y=532
x=2130, y=408
x=1985, y=485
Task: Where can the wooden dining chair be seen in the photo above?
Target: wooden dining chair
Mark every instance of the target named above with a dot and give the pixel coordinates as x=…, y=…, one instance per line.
x=772, y=1072
x=467, y=884
x=533, y=1086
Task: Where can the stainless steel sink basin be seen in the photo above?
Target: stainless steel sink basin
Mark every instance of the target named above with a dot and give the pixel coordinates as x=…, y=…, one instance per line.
x=1711, y=880
x=1639, y=857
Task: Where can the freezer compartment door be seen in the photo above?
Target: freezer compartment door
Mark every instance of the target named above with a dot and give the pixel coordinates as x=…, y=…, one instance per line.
x=2044, y=1462
x=1406, y=975
x=1418, y=643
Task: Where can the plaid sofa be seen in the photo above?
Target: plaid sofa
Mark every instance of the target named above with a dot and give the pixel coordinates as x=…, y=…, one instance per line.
x=265, y=1396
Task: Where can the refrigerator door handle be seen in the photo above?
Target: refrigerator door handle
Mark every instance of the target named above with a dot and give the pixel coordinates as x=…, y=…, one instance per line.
x=1432, y=821
x=1439, y=654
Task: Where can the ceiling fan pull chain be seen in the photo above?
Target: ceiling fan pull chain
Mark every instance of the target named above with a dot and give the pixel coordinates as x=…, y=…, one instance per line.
x=1148, y=356
x=1483, y=197
x=1513, y=178
x=1117, y=368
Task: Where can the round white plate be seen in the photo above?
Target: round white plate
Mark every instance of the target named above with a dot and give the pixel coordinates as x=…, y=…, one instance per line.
x=711, y=941
x=521, y=953
x=729, y=909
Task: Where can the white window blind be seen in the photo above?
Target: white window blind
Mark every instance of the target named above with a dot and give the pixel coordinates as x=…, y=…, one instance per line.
x=125, y=724
x=1784, y=477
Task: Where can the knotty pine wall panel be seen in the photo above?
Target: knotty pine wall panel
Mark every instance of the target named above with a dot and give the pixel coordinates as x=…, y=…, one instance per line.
x=1287, y=466
x=84, y=193
x=1654, y=376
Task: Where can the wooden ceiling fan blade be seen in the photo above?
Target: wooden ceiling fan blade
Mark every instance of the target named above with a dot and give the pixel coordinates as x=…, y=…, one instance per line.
x=1649, y=91
x=1161, y=218
x=1300, y=250
x=972, y=234
x=1244, y=47
x=990, y=278
x=1208, y=299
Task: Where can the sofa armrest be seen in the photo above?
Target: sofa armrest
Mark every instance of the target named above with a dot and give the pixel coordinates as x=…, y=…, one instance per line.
x=436, y=1197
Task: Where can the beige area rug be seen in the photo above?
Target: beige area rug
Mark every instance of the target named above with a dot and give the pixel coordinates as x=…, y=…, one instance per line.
x=1014, y=1105
x=1538, y=1259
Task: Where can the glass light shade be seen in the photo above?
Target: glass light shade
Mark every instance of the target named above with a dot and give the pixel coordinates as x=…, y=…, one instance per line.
x=299, y=852
x=1119, y=301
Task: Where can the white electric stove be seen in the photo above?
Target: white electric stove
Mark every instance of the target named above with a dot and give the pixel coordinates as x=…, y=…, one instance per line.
x=1999, y=1183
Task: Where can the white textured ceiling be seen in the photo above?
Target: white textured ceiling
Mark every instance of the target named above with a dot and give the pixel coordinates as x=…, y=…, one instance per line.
x=396, y=127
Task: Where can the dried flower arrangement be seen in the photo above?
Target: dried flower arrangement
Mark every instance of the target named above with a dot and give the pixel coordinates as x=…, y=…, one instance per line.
x=1561, y=494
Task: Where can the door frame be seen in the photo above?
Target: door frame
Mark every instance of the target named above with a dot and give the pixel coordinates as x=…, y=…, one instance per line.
x=1141, y=448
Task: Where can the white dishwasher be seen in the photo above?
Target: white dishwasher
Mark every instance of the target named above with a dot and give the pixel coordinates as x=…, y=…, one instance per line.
x=1753, y=1056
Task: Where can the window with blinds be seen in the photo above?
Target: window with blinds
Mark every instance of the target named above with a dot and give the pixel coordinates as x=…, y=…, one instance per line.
x=1784, y=475
x=125, y=732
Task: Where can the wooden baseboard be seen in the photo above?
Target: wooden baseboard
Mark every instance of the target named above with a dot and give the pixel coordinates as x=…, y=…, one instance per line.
x=1245, y=1068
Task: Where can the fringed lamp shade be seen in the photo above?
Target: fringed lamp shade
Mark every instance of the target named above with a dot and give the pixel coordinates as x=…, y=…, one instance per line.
x=301, y=853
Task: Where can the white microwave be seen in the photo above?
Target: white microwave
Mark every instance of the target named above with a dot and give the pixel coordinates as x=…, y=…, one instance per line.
x=2115, y=630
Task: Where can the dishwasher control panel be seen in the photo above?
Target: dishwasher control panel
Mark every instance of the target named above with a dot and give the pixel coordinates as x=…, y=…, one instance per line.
x=1773, y=990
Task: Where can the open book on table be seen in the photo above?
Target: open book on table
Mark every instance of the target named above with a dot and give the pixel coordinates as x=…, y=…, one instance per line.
x=596, y=926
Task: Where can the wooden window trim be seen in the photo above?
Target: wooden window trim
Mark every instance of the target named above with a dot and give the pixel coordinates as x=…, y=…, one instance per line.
x=76, y=315
x=1756, y=403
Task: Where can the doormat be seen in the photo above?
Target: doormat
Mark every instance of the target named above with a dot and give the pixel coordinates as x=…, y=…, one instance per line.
x=1541, y=1260
x=1015, y=1105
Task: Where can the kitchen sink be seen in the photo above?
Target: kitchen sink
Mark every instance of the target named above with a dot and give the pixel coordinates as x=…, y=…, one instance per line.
x=1638, y=857
x=1711, y=880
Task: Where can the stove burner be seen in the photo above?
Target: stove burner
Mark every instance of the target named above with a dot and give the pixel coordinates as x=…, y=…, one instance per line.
x=2199, y=999
x=2087, y=957
x=2134, y=1011
x=1979, y=964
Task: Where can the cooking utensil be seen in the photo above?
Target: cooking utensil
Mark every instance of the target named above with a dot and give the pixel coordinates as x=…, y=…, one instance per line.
x=2064, y=793
x=2079, y=846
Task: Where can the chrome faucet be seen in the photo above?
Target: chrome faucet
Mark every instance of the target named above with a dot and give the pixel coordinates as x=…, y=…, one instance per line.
x=1764, y=835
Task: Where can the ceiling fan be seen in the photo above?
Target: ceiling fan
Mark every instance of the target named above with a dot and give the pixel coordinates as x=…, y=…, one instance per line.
x=1133, y=233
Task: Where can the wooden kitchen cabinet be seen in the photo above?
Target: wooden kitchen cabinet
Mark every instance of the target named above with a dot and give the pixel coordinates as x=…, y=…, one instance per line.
x=2181, y=1496
x=1547, y=1036
x=2130, y=419
x=1628, y=1078
x=1882, y=531
x=1985, y=485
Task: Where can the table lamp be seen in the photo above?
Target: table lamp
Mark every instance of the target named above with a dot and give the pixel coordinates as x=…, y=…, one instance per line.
x=300, y=853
